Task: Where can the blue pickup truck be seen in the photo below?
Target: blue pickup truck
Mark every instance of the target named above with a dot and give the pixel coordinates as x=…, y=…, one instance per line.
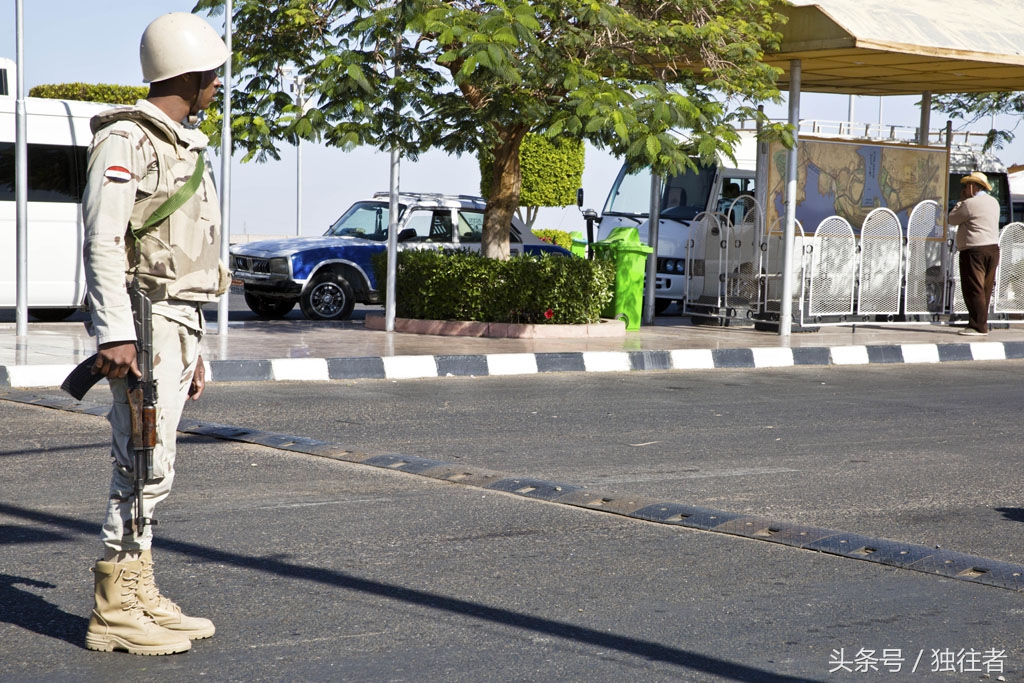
x=328, y=275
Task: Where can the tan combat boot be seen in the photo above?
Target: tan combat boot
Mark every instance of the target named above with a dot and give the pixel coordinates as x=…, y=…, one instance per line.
x=163, y=610
x=118, y=621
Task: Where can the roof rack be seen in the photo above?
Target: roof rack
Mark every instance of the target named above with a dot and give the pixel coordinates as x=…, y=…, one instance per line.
x=429, y=195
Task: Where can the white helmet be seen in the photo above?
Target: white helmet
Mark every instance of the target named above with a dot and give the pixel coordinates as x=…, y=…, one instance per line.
x=179, y=43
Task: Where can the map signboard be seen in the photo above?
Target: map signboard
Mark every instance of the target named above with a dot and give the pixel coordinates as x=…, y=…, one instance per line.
x=852, y=178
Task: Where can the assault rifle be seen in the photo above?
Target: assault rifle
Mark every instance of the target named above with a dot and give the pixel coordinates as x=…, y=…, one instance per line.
x=141, y=398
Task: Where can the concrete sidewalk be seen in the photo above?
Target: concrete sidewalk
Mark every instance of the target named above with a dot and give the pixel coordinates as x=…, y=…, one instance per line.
x=301, y=350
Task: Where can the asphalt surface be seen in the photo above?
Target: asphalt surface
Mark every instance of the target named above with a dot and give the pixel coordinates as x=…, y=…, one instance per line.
x=315, y=568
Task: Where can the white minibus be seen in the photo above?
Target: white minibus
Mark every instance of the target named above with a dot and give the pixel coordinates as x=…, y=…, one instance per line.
x=58, y=138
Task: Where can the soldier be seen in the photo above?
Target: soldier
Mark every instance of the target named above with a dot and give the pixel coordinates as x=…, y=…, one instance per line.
x=140, y=157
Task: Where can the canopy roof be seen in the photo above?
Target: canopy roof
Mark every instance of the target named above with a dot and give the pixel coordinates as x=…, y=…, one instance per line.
x=903, y=47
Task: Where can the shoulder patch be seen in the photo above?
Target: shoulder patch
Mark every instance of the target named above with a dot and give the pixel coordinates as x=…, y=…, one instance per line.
x=119, y=174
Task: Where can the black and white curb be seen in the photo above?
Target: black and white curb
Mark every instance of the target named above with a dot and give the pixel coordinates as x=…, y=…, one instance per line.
x=507, y=364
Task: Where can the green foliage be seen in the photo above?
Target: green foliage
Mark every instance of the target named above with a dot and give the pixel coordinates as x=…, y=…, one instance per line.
x=476, y=77
x=552, y=171
x=88, y=92
x=463, y=285
x=559, y=237
x=977, y=106
x=472, y=75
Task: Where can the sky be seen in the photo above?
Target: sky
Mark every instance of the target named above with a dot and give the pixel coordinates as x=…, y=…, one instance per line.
x=96, y=41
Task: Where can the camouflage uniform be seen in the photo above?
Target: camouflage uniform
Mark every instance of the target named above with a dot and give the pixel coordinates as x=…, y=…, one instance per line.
x=140, y=157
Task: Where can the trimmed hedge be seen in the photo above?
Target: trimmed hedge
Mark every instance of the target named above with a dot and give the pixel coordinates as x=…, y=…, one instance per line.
x=463, y=285
x=559, y=237
x=552, y=171
x=88, y=92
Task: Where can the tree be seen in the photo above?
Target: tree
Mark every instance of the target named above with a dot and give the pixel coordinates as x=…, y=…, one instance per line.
x=552, y=171
x=468, y=76
x=976, y=106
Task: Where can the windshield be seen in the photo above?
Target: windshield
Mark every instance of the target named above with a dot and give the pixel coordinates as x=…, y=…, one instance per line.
x=683, y=196
x=364, y=219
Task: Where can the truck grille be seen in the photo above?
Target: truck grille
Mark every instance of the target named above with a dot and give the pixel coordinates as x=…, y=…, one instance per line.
x=247, y=264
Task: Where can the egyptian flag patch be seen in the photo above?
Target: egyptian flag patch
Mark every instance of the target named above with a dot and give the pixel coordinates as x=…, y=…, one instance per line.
x=119, y=174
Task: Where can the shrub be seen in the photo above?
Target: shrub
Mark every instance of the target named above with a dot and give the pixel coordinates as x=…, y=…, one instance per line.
x=552, y=171
x=88, y=92
x=463, y=285
x=559, y=237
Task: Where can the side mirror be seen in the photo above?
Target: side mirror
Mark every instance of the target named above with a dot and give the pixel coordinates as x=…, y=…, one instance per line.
x=579, y=197
x=407, y=234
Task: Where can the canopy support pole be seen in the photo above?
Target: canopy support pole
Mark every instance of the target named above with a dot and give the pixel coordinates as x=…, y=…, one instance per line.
x=926, y=118
x=786, y=308
x=652, y=259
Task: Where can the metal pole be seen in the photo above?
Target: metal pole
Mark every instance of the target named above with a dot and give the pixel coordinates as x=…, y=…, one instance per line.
x=298, y=187
x=225, y=172
x=21, y=179
x=389, y=302
x=761, y=174
x=926, y=118
x=301, y=99
x=652, y=259
x=786, y=308
x=393, y=207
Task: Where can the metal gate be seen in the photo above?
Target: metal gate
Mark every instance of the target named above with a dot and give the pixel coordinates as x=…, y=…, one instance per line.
x=837, y=275
x=730, y=262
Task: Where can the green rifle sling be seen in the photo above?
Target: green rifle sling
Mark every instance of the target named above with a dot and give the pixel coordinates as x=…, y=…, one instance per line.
x=175, y=201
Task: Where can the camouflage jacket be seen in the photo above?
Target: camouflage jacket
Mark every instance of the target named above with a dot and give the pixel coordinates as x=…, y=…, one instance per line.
x=139, y=157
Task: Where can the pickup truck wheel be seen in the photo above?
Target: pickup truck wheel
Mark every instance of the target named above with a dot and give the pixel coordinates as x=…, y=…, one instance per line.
x=329, y=297
x=268, y=307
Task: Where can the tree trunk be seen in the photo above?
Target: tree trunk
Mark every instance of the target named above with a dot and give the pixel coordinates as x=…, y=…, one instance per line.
x=506, y=185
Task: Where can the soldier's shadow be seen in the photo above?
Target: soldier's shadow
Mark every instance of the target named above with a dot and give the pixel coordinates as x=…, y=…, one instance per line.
x=33, y=613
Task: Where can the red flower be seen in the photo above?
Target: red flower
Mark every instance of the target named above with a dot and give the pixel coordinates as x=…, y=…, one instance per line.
x=549, y=314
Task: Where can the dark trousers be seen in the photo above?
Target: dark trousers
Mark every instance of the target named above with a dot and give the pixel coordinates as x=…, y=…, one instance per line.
x=977, y=279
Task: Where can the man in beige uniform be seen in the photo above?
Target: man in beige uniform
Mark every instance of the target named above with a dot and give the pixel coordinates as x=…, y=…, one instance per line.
x=977, y=240
x=140, y=156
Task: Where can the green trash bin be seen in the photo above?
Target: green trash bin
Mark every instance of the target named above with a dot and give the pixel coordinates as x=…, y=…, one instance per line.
x=630, y=256
x=579, y=245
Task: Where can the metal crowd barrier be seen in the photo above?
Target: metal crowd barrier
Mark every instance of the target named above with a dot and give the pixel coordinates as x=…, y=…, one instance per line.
x=885, y=273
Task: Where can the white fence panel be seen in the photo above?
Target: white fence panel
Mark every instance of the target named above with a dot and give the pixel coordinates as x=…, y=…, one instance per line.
x=833, y=271
x=881, y=264
x=1009, y=293
x=926, y=278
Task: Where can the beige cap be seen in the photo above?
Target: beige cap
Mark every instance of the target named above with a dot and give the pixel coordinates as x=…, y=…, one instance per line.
x=179, y=43
x=978, y=178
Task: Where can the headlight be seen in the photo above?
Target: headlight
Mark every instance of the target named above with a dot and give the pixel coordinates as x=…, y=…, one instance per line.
x=279, y=266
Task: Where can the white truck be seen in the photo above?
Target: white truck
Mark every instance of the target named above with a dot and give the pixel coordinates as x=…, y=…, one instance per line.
x=712, y=234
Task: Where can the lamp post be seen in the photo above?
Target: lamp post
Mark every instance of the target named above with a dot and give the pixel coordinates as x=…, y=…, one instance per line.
x=223, y=305
x=296, y=84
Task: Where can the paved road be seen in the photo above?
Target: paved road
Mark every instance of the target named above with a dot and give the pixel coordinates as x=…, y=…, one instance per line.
x=893, y=451
x=316, y=569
